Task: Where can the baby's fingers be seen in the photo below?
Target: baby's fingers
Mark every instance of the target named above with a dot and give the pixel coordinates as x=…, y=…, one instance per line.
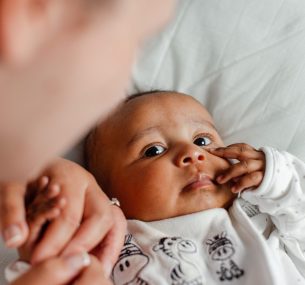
x=241, y=168
x=41, y=214
x=240, y=151
x=45, y=209
x=253, y=179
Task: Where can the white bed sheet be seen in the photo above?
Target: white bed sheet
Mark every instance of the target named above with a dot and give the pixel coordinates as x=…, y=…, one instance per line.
x=244, y=59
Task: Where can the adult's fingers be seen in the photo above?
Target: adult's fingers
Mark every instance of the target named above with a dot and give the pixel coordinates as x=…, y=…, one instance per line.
x=97, y=221
x=13, y=225
x=55, y=271
x=93, y=275
x=109, y=249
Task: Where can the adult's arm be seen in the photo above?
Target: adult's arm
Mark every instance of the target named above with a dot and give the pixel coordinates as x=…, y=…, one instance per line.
x=50, y=97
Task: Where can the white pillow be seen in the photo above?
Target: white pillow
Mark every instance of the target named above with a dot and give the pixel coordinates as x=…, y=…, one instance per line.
x=245, y=60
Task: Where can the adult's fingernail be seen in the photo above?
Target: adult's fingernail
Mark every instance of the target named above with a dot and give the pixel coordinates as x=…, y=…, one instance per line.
x=12, y=235
x=107, y=268
x=78, y=261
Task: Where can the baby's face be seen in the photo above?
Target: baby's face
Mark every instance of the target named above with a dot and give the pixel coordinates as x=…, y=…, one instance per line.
x=156, y=159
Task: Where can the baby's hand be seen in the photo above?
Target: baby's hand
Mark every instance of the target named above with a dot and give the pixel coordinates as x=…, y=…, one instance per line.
x=248, y=172
x=43, y=204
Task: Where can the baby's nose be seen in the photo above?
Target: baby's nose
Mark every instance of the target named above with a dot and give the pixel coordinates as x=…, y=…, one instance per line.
x=190, y=155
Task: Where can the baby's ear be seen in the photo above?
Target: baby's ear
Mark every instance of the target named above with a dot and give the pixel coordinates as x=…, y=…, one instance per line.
x=25, y=27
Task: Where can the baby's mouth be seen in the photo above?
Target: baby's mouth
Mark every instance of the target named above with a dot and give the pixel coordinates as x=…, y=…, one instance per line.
x=200, y=181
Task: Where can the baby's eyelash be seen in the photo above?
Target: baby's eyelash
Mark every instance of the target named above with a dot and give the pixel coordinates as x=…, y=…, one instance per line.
x=142, y=153
x=208, y=135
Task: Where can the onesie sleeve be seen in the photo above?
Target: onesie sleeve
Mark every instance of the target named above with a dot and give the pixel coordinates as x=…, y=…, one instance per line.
x=282, y=192
x=282, y=196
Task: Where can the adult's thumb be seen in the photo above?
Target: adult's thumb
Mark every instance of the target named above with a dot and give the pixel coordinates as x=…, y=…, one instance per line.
x=55, y=271
x=13, y=225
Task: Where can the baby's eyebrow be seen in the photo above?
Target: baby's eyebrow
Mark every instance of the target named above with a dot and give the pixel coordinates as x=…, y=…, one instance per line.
x=200, y=122
x=143, y=133
x=156, y=129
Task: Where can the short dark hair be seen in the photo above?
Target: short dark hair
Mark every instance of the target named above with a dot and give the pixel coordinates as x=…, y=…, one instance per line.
x=136, y=95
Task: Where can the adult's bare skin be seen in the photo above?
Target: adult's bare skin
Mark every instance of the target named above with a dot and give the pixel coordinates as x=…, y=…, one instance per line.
x=62, y=270
x=64, y=64
x=88, y=220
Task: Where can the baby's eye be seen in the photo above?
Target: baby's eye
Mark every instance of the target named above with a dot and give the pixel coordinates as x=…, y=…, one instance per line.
x=202, y=141
x=154, y=151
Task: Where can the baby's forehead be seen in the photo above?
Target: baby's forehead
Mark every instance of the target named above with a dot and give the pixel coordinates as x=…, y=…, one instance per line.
x=140, y=106
x=169, y=100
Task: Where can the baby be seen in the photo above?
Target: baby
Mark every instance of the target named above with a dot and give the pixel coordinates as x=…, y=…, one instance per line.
x=160, y=154
x=162, y=157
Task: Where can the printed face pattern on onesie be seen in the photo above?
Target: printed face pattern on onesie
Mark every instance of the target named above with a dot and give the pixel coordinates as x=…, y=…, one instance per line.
x=130, y=264
x=221, y=250
x=180, y=251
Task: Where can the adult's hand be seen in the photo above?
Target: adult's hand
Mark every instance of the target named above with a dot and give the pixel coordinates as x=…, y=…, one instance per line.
x=88, y=219
x=13, y=226
x=93, y=274
x=62, y=270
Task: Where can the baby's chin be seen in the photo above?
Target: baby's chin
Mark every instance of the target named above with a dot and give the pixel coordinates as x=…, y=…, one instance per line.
x=189, y=202
x=214, y=196
x=148, y=217
x=155, y=218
